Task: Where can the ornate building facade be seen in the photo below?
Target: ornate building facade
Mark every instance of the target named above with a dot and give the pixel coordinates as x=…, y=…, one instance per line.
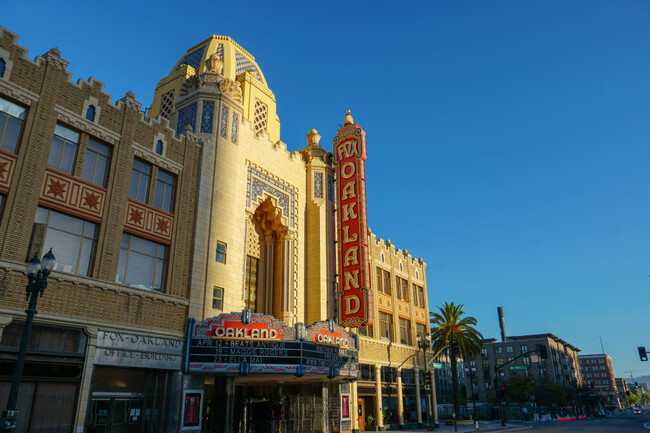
x=197, y=281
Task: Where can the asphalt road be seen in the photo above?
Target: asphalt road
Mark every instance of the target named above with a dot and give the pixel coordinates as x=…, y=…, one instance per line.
x=625, y=422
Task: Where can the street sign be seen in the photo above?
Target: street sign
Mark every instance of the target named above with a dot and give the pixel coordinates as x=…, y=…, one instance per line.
x=518, y=367
x=437, y=365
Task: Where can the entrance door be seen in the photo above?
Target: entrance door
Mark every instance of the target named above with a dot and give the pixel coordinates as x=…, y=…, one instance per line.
x=362, y=414
x=116, y=415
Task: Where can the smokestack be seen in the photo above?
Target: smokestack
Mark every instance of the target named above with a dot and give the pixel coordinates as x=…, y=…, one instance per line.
x=502, y=323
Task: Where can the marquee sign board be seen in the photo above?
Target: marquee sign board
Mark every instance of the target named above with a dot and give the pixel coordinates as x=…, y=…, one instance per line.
x=248, y=343
x=354, y=266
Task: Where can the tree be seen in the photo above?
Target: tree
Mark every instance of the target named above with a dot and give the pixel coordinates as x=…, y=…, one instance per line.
x=453, y=333
x=518, y=390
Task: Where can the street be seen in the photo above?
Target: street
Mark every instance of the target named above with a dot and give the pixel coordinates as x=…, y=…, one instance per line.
x=626, y=421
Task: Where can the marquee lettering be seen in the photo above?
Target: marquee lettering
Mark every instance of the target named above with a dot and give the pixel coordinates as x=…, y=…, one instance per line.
x=349, y=212
x=346, y=235
x=351, y=280
x=349, y=301
x=352, y=257
x=347, y=149
x=347, y=170
x=348, y=190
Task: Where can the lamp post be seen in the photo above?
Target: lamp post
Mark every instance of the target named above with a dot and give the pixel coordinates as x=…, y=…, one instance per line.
x=37, y=272
x=471, y=372
x=424, y=343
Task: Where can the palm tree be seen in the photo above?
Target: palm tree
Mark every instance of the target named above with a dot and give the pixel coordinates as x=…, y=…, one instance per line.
x=453, y=333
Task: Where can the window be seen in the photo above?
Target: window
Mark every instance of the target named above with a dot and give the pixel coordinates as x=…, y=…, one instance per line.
x=3, y=66
x=96, y=163
x=365, y=331
x=388, y=374
x=386, y=282
x=63, y=149
x=486, y=363
x=12, y=117
x=420, y=295
x=90, y=113
x=221, y=253
x=499, y=361
x=401, y=286
x=386, y=326
x=142, y=263
x=217, y=298
x=159, y=147
x=165, y=191
x=405, y=331
x=524, y=349
x=499, y=349
x=379, y=279
x=484, y=352
x=139, y=180
x=366, y=372
x=421, y=330
x=509, y=349
x=250, y=283
x=72, y=240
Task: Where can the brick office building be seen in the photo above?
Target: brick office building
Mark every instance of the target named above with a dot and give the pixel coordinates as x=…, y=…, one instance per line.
x=597, y=372
x=104, y=189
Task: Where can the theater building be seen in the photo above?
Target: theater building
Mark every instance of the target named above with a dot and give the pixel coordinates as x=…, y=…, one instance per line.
x=199, y=285
x=112, y=194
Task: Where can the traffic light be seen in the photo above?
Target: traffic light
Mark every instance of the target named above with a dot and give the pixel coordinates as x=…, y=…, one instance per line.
x=427, y=380
x=643, y=354
x=636, y=385
x=543, y=351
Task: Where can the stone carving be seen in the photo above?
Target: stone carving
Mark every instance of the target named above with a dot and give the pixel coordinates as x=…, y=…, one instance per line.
x=214, y=64
x=154, y=158
x=232, y=89
x=189, y=85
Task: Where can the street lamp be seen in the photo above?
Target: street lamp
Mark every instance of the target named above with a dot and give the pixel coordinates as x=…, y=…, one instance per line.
x=471, y=372
x=424, y=343
x=37, y=272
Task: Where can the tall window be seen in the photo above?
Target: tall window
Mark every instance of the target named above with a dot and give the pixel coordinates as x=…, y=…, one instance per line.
x=250, y=284
x=71, y=239
x=386, y=282
x=420, y=295
x=401, y=286
x=159, y=147
x=405, y=331
x=96, y=163
x=90, y=113
x=12, y=117
x=379, y=280
x=140, y=175
x=142, y=263
x=386, y=326
x=63, y=149
x=221, y=253
x=165, y=191
x=3, y=65
x=217, y=298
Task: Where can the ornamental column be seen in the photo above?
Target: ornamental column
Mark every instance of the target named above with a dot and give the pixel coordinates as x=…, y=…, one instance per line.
x=400, y=399
x=418, y=404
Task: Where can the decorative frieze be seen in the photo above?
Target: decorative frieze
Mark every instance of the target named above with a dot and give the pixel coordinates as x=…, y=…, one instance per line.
x=7, y=164
x=403, y=309
x=420, y=315
x=72, y=195
x=148, y=222
x=385, y=302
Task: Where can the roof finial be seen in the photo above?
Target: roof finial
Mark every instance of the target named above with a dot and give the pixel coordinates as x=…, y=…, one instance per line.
x=313, y=138
x=348, y=120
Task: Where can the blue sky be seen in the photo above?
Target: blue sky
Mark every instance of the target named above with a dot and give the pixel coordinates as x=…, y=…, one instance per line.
x=507, y=140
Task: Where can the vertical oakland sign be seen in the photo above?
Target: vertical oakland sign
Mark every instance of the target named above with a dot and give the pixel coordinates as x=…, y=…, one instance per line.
x=354, y=271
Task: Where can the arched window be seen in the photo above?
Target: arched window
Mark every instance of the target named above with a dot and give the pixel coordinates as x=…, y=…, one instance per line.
x=3, y=64
x=90, y=113
x=159, y=147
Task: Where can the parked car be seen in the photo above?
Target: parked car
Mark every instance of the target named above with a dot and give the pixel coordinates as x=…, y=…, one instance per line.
x=637, y=411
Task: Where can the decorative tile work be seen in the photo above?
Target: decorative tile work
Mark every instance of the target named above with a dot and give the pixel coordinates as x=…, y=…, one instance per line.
x=223, y=124
x=252, y=240
x=318, y=185
x=330, y=187
x=420, y=315
x=385, y=302
x=220, y=51
x=260, y=183
x=148, y=222
x=261, y=113
x=403, y=309
x=167, y=104
x=242, y=64
x=187, y=116
x=7, y=164
x=235, y=124
x=207, y=114
x=71, y=195
x=193, y=59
